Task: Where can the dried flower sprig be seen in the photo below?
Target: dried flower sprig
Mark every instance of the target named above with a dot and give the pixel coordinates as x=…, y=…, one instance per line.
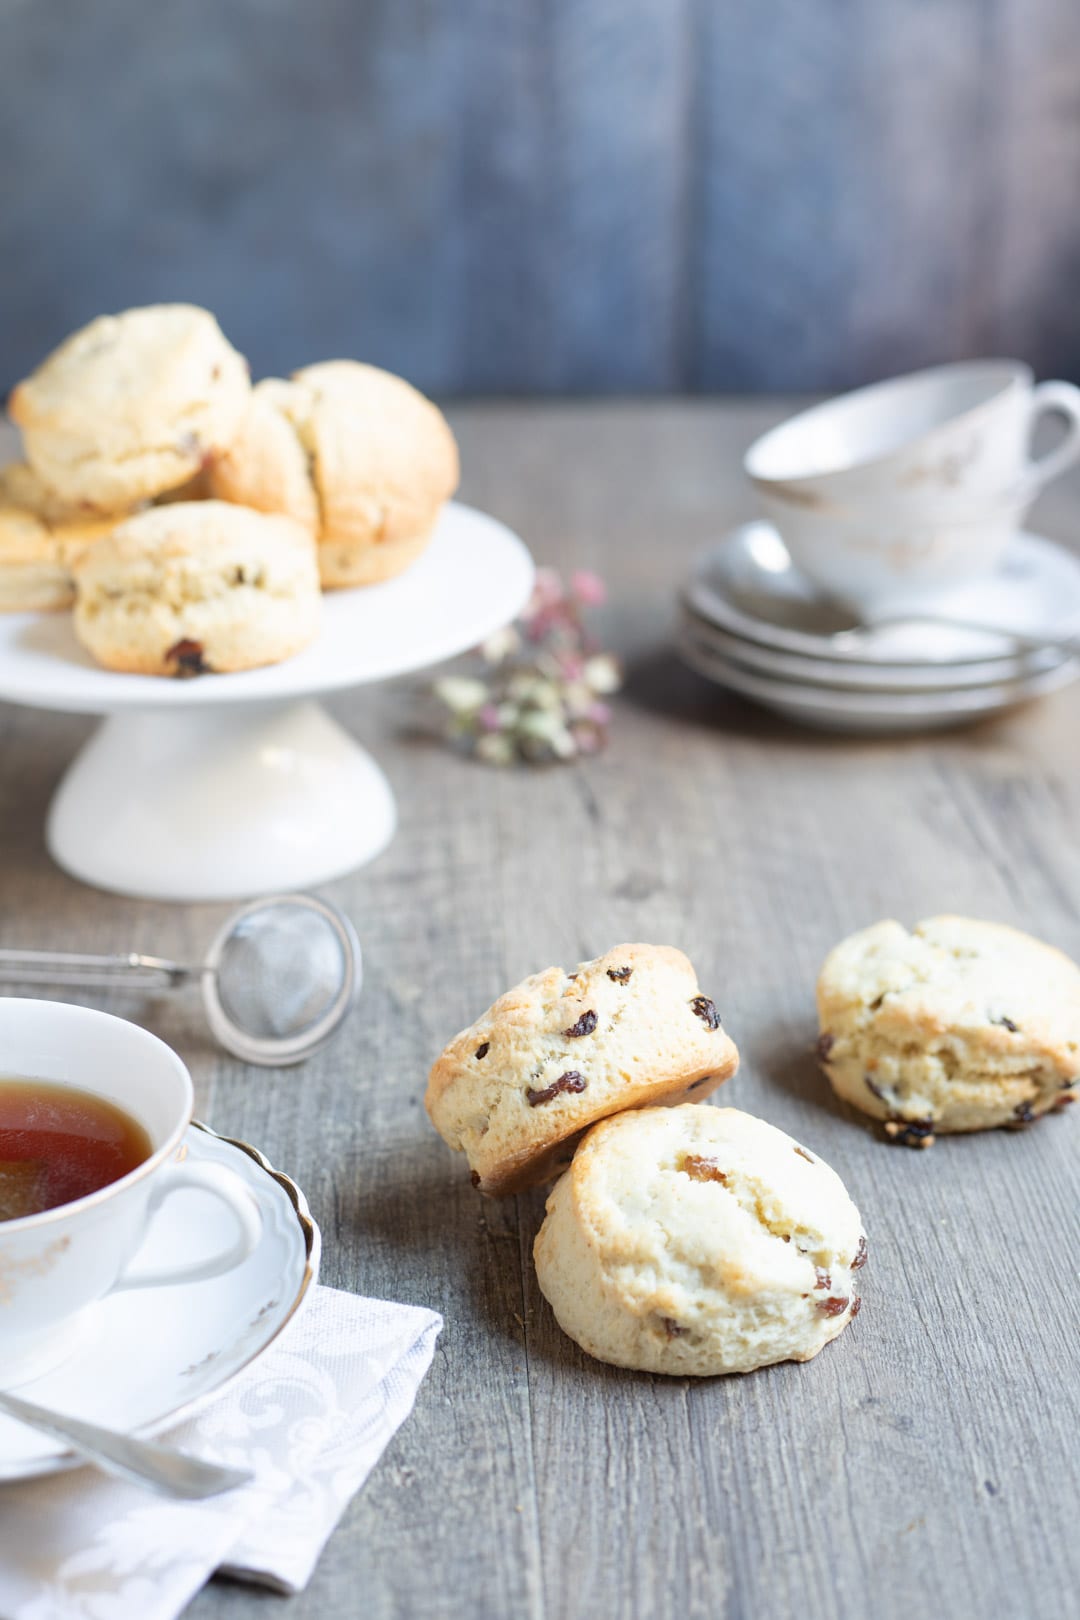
x=541, y=696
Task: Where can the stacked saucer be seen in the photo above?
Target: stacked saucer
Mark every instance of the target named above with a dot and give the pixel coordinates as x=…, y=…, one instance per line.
x=751, y=622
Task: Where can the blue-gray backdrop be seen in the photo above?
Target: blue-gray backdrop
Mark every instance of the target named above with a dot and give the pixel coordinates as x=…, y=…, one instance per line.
x=551, y=195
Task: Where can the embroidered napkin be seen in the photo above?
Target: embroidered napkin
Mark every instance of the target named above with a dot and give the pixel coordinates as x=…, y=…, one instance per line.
x=310, y=1419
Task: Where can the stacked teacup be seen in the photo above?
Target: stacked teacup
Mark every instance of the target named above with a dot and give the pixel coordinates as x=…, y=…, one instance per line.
x=891, y=585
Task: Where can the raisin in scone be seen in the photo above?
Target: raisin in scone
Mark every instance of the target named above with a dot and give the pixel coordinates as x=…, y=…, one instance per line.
x=697, y=1241
x=354, y=453
x=561, y=1050
x=131, y=405
x=197, y=589
x=957, y=1026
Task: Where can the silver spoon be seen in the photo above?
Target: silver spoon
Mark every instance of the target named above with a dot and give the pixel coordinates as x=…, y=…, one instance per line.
x=172, y=1473
x=278, y=981
x=857, y=632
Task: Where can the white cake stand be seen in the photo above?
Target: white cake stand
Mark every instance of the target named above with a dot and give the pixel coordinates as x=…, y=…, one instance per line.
x=228, y=786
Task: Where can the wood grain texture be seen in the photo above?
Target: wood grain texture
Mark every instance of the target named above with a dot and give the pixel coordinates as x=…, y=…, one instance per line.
x=557, y=196
x=924, y=1463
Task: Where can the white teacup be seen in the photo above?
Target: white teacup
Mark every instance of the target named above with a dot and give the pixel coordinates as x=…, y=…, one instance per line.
x=55, y=1265
x=892, y=493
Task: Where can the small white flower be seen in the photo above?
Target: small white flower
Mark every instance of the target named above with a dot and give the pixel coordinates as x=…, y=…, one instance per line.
x=602, y=673
x=461, y=693
x=520, y=685
x=549, y=698
x=545, y=727
x=534, y=690
x=502, y=645
x=578, y=697
x=496, y=748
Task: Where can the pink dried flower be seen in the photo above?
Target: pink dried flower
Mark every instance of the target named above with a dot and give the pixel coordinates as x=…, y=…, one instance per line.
x=588, y=587
x=547, y=591
x=539, y=624
x=538, y=697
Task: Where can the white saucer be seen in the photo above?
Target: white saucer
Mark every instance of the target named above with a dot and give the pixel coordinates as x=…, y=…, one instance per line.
x=874, y=712
x=850, y=676
x=746, y=586
x=231, y=786
x=152, y=1356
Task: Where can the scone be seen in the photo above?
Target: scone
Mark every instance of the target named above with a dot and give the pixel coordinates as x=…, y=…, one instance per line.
x=515, y=1090
x=196, y=589
x=356, y=454
x=36, y=559
x=131, y=405
x=697, y=1241
x=33, y=575
x=958, y=1026
x=21, y=486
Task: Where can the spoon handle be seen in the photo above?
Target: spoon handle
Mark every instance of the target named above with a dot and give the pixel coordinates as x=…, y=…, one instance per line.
x=172, y=1473
x=1023, y=641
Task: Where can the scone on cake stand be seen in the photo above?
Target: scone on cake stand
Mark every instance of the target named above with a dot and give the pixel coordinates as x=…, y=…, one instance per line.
x=225, y=786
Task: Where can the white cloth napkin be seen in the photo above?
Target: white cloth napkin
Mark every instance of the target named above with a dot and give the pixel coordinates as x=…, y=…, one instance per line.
x=310, y=1419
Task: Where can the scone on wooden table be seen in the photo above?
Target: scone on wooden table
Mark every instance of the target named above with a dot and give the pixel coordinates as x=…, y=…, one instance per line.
x=131, y=405
x=355, y=453
x=697, y=1241
x=197, y=589
x=959, y=1025
x=515, y=1090
x=36, y=559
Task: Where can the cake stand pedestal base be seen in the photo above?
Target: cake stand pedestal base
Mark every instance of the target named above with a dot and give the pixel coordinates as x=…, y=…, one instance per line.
x=219, y=803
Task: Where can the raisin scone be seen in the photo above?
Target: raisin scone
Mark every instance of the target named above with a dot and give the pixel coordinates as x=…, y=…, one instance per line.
x=957, y=1026
x=356, y=454
x=21, y=486
x=515, y=1090
x=197, y=589
x=131, y=405
x=36, y=559
x=33, y=575
x=697, y=1241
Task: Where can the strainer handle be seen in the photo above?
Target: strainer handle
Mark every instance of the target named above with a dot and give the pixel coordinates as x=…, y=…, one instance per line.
x=128, y=972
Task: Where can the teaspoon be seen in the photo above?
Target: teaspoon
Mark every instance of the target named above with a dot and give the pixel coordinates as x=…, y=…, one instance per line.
x=1023, y=641
x=171, y=1473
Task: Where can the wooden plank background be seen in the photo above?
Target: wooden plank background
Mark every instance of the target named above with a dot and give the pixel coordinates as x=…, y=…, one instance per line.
x=551, y=196
x=926, y=1463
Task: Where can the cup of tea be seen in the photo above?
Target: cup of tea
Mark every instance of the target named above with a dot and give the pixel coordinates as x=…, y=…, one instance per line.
x=92, y=1112
x=892, y=493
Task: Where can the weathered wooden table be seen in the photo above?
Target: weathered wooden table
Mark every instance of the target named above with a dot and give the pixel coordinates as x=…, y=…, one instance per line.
x=926, y=1462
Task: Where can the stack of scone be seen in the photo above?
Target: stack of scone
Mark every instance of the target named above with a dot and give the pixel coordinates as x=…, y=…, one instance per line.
x=192, y=519
x=679, y=1239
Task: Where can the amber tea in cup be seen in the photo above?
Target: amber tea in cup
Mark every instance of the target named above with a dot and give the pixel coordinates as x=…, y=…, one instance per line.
x=88, y=1156
x=59, y=1143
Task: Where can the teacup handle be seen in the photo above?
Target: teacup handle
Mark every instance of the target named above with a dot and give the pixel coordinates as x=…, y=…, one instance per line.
x=223, y=1184
x=1063, y=399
